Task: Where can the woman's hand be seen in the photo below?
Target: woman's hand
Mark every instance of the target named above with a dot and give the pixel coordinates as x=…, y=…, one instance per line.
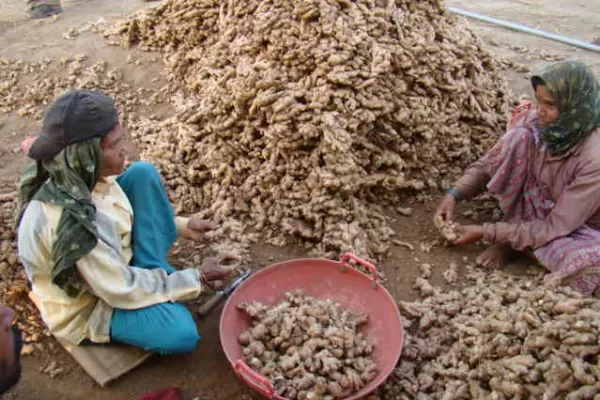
x=197, y=228
x=468, y=233
x=446, y=208
x=212, y=270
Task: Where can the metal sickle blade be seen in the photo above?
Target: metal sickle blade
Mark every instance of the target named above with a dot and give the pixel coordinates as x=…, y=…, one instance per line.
x=237, y=282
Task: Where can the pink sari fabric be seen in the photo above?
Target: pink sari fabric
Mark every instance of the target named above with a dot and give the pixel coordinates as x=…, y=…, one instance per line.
x=512, y=177
x=575, y=258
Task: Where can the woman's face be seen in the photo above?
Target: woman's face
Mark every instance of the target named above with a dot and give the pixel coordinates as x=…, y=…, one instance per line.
x=547, y=110
x=113, y=153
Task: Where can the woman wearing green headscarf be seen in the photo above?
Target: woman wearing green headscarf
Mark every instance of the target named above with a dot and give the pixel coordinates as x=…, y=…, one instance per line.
x=545, y=173
x=94, y=238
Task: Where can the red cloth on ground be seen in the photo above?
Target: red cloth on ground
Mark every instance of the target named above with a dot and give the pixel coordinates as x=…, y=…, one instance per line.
x=163, y=394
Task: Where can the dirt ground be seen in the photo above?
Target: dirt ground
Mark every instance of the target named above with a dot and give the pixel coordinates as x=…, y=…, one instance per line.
x=206, y=373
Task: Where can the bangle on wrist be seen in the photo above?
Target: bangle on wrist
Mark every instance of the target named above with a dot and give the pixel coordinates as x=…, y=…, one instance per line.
x=202, y=278
x=455, y=193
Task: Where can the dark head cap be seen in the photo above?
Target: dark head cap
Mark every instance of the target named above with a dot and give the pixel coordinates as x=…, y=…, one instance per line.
x=74, y=117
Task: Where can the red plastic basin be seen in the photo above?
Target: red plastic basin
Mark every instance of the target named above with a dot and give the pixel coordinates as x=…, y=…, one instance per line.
x=320, y=278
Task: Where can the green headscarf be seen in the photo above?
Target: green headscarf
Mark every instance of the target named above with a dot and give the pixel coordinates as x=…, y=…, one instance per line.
x=575, y=89
x=67, y=181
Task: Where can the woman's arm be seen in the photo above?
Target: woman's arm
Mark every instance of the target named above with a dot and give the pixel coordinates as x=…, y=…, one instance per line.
x=577, y=203
x=473, y=181
x=193, y=228
x=129, y=287
x=181, y=225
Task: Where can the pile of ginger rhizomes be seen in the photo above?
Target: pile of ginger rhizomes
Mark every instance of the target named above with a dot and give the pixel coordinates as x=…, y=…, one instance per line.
x=500, y=336
x=310, y=348
x=305, y=120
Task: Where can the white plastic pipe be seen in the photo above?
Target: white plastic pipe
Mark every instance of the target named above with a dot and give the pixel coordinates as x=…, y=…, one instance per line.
x=526, y=29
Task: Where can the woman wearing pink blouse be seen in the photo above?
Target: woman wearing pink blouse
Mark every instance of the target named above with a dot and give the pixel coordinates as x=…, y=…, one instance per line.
x=545, y=173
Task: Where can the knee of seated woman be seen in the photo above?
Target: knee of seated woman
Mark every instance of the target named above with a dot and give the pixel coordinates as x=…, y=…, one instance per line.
x=183, y=339
x=143, y=170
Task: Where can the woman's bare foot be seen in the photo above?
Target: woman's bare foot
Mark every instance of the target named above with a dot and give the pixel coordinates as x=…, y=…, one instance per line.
x=495, y=256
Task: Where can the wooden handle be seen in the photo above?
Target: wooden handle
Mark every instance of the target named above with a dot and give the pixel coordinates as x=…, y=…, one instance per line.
x=211, y=303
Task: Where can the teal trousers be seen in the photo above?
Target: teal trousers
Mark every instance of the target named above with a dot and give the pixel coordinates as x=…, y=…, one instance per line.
x=165, y=328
